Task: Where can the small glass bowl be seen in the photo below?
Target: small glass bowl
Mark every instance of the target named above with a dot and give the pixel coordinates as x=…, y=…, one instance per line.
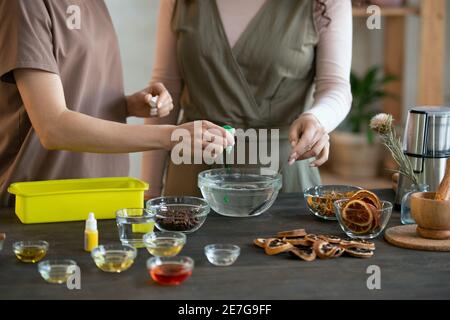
x=164, y=244
x=183, y=214
x=114, y=258
x=30, y=251
x=57, y=271
x=319, y=199
x=170, y=271
x=222, y=254
x=132, y=224
x=369, y=232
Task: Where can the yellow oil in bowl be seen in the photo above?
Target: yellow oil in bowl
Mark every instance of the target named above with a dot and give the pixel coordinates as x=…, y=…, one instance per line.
x=164, y=244
x=165, y=248
x=114, y=258
x=30, y=251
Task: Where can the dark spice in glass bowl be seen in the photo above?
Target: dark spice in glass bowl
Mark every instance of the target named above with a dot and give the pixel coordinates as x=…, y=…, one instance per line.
x=180, y=219
x=182, y=214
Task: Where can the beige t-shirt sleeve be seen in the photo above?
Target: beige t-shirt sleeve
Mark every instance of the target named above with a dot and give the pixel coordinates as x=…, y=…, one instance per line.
x=25, y=38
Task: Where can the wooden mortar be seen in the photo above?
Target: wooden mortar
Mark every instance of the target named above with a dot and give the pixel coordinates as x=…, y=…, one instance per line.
x=432, y=216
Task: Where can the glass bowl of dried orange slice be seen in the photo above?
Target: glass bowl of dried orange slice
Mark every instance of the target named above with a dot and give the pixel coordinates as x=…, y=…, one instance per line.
x=364, y=215
x=320, y=199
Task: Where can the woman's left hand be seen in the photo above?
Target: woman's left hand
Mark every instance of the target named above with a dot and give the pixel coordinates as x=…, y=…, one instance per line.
x=309, y=139
x=138, y=104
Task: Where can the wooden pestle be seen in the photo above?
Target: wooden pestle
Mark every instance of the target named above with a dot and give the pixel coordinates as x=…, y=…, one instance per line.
x=443, y=192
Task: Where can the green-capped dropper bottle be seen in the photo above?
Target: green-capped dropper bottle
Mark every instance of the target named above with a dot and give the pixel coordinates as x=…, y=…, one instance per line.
x=231, y=130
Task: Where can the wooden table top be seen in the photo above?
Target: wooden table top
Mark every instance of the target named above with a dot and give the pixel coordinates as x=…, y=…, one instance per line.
x=405, y=274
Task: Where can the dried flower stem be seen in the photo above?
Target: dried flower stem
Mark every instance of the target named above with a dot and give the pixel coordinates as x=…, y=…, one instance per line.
x=394, y=145
x=383, y=124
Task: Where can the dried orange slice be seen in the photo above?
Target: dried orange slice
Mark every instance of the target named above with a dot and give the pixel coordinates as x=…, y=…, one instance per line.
x=376, y=219
x=368, y=197
x=356, y=229
x=358, y=212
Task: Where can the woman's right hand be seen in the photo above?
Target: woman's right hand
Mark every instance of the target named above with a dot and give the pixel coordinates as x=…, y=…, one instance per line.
x=202, y=134
x=138, y=104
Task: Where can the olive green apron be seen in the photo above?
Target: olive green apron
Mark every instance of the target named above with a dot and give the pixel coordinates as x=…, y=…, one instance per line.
x=264, y=81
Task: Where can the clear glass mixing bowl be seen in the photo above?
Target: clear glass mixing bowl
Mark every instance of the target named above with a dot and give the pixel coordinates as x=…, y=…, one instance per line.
x=236, y=192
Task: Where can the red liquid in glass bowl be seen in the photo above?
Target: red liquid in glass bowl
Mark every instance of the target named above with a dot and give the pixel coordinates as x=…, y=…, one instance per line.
x=170, y=273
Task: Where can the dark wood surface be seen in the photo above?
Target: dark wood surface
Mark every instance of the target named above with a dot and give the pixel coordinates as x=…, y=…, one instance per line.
x=405, y=274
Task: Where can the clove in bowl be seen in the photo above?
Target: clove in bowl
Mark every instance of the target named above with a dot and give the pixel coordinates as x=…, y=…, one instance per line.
x=182, y=214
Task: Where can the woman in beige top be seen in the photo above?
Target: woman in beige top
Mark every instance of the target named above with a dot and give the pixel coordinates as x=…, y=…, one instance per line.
x=62, y=105
x=254, y=64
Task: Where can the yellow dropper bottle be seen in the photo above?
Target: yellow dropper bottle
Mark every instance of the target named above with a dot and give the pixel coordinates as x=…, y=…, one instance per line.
x=90, y=233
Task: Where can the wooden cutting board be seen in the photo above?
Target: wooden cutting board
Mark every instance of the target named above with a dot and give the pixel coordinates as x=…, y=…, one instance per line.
x=406, y=237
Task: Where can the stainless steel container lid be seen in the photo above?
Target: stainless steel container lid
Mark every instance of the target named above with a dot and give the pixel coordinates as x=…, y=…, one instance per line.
x=431, y=110
x=427, y=132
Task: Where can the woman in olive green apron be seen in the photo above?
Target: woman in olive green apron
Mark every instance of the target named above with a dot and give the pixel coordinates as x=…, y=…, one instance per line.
x=264, y=81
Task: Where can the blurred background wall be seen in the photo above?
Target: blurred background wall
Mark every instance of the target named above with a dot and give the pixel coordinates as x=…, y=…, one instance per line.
x=135, y=21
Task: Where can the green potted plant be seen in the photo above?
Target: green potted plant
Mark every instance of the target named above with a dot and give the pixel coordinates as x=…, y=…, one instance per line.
x=355, y=152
